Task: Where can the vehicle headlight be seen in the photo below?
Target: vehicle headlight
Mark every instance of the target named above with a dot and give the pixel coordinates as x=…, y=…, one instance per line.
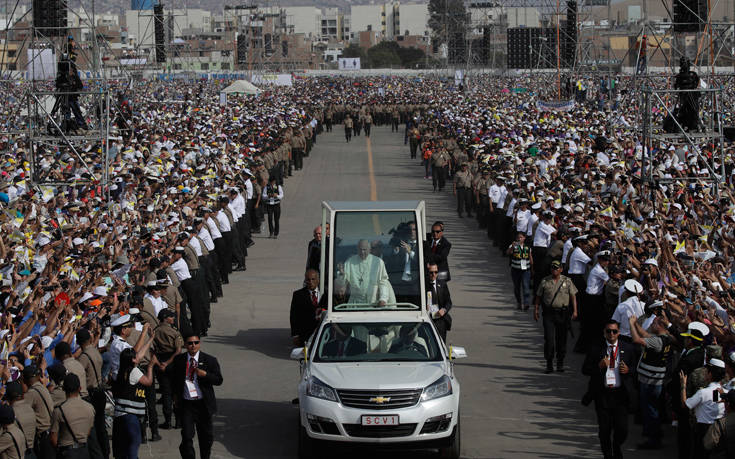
x=441, y=388
x=317, y=389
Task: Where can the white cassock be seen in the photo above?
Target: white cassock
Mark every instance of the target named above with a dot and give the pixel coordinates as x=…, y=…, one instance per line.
x=368, y=280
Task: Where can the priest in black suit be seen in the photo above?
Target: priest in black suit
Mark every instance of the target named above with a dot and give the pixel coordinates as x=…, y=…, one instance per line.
x=609, y=367
x=344, y=344
x=436, y=250
x=193, y=376
x=441, y=301
x=304, y=308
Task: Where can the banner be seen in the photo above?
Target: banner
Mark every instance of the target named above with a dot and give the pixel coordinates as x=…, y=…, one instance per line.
x=280, y=79
x=41, y=64
x=561, y=105
x=348, y=63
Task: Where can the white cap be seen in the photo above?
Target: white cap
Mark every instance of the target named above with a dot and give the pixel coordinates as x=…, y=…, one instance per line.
x=699, y=326
x=46, y=341
x=132, y=311
x=85, y=297
x=717, y=363
x=633, y=286
x=651, y=261
x=100, y=291
x=122, y=320
x=77, y=241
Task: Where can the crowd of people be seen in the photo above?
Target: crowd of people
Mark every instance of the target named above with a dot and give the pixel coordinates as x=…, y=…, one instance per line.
x=91, y=269
x=644, y=266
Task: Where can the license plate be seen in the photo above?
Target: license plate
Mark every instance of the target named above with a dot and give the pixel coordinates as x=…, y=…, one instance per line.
x=390, y=420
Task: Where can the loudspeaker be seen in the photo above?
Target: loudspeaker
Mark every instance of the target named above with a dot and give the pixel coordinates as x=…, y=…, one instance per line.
x=284, y=48
x=569, y=42
x=49, y=17
x=690, y=15
x=518, y=54
x=159, y=33
x=268, y=44
x=485, y=45
x=242, y=49
x=457, y=52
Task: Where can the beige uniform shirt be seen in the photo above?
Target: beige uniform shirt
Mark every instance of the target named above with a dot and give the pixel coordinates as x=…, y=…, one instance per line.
x=40, y=400
x=547, y=290
x=463, y=179
x=9, y=438
x=72, y=365
x=91, y=360
x=26, y=419
x=80, y=417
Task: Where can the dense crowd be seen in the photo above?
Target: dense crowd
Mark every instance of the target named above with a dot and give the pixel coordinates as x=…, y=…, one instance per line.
x=86, y=267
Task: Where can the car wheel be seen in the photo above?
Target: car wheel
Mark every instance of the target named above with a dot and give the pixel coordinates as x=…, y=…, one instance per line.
x=453, y=449
x=307, y=445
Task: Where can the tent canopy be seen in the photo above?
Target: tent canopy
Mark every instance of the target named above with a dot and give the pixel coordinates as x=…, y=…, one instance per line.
x=241, y=87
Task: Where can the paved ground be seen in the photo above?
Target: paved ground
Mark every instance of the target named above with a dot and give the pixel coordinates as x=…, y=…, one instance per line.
x=510, y=409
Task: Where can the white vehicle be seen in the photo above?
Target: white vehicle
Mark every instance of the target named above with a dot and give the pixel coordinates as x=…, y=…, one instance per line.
x=376, y=371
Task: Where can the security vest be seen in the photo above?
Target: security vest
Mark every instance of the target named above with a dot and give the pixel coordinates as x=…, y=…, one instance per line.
x=129, y=398
x=652, y=366
x=520, y=258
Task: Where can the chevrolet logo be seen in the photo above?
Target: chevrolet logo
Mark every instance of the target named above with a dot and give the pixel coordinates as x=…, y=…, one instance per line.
x=380, y=400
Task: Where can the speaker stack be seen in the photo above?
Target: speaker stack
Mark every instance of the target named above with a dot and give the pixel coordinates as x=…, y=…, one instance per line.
x=689, y=15
x=569, y=42
x=49, y=17
x=242, y=49
x=486, y=45
x=159, y=33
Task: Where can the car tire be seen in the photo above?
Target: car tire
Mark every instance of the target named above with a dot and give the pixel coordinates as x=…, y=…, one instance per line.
x=307, y=446
x=454, y=447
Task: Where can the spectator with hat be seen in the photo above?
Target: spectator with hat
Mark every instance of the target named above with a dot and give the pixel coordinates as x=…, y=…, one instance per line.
x=719, y=440
x=705, y=403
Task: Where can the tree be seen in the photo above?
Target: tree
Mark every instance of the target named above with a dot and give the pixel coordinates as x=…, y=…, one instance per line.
x=384, y=55
x=448, y=23
x=354, y=50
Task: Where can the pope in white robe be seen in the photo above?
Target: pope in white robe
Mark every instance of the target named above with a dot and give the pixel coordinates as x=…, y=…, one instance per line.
x=367, y=277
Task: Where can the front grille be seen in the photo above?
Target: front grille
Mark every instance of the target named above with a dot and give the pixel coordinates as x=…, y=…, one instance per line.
x=395, y=398
x=359, y=430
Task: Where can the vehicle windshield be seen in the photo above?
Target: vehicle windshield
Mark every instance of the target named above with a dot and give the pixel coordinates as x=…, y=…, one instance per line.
x=377, y=342
x=376, y=257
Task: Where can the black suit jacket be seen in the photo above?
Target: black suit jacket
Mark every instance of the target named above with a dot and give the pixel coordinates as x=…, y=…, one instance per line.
x=443, y=299
x=354, y=347
x=313, y=255
x=440, y=256
x=303, y=314
x=591, y=368
x=208, y=363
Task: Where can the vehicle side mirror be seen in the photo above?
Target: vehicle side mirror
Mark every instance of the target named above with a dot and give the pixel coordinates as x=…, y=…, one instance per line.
x=457, y=352
x=298, y=353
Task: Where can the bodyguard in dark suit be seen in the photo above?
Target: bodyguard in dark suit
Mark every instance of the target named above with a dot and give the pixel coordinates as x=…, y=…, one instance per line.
x=609, y=367
x=436, y=250
x=441, y=301
x=193, y=376
x=304, y=308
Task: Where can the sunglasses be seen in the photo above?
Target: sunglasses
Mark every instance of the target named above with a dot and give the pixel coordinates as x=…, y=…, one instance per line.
x=191, y=343
x=433, y=272
x=436, y=231
x=612, y=331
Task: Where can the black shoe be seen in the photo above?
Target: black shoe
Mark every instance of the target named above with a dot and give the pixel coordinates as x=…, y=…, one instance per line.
x=155, y=437
x=560, y=367
x=250, y=243
x=165, y=426
x=225, y=282
x=213, y=299
x=549, y=368
x=275, y=236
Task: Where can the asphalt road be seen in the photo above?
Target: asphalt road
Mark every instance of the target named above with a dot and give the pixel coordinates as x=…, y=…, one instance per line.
x=510, y=409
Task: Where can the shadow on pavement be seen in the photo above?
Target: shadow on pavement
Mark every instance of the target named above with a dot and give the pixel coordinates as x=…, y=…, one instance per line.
x=273, y=342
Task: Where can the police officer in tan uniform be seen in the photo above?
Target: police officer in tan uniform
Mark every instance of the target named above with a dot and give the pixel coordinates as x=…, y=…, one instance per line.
x=463, y=190
x=71, y=422
x=167, y=342
x=439, y=162
x=91, y=361
x=557, y=295
x=40, y=400
x=24, y=415
x=12, y=444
